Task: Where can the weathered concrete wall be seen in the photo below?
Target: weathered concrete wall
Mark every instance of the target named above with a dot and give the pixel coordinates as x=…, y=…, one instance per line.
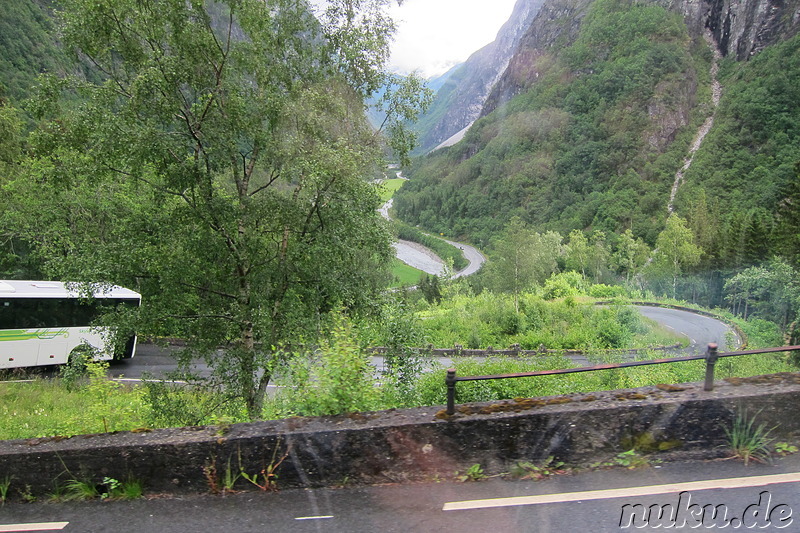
x=398, y=445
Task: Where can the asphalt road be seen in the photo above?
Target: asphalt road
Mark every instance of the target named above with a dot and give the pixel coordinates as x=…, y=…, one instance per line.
x=763, y=496
x=473, y=255
x=698, y=329
x=154, y=361
x=419, y=257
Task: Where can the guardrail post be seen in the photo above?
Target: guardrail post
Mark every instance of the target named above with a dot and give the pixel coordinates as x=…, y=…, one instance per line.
x=711, y=361
x=450, y=381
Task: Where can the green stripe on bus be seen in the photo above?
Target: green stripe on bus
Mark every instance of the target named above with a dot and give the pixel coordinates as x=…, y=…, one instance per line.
x=28, y=334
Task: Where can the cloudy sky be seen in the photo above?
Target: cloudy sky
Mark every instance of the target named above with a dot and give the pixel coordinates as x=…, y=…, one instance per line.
x=434, y=35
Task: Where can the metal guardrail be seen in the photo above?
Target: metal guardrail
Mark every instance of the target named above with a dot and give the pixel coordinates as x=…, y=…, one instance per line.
x=711, y=356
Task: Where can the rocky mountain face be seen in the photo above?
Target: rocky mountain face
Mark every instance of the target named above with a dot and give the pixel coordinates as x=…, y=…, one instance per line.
x=743, y=28
x=460, y=100
x=740, y=29
x=594, y=122
x=556, y=24
x=508, y=66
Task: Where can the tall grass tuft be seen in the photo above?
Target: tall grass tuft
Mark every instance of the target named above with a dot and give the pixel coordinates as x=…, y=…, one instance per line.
x=748, y=441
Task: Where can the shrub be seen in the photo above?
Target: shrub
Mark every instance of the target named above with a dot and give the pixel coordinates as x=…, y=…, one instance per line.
x=563, y=285
x=336, y=379
x=601, y=290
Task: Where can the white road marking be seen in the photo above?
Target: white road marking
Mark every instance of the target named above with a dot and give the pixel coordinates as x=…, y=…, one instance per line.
x=313, y=517
x=726, y=483
x=41, y=526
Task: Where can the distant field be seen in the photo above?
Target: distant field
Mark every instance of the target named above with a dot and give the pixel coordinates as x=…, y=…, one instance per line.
x=404, y=275
x=389, y=187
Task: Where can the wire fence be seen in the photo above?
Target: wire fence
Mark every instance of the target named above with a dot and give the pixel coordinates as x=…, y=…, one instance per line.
x=711, y=356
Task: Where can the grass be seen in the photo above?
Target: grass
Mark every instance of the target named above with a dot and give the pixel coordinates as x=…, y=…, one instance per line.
x=46, y=408
x=107, y=489
x=5, y=484
x=748, y=441
x=430, y=388
x=490, y=319
x=404, y=275
x=659, y=335
x=389, y=187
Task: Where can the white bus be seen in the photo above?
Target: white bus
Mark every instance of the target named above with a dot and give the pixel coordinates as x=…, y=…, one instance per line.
x=42, y=322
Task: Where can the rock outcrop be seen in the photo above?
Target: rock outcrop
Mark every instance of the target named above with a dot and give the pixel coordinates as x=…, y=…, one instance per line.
x=556, y=24
x=743, y=28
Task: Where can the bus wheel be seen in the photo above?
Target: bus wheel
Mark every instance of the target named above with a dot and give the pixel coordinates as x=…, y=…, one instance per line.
x=75, y=369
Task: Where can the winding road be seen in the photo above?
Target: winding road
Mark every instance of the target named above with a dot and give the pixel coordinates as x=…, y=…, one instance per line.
x=699, y=329
x=422, y=258
x=415, y=255
x=473, y=255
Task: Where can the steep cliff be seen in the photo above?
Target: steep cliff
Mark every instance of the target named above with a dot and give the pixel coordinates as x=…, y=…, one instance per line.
x=556, y=25
x=460, y=100
x=743, y=28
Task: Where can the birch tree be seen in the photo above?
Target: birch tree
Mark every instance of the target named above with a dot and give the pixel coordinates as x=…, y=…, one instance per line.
x=675, y=250
x=222, y=167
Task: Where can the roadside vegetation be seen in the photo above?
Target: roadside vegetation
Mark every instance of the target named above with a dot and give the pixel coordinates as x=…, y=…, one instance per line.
x=537, y=292
x=336, y=377
x=54, y=406
x=489, y=319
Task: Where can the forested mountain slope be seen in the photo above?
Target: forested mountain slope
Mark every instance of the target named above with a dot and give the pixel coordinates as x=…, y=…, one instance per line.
x=28, y=46
x=746, y=171
x=578, y=148
x=595, y=114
